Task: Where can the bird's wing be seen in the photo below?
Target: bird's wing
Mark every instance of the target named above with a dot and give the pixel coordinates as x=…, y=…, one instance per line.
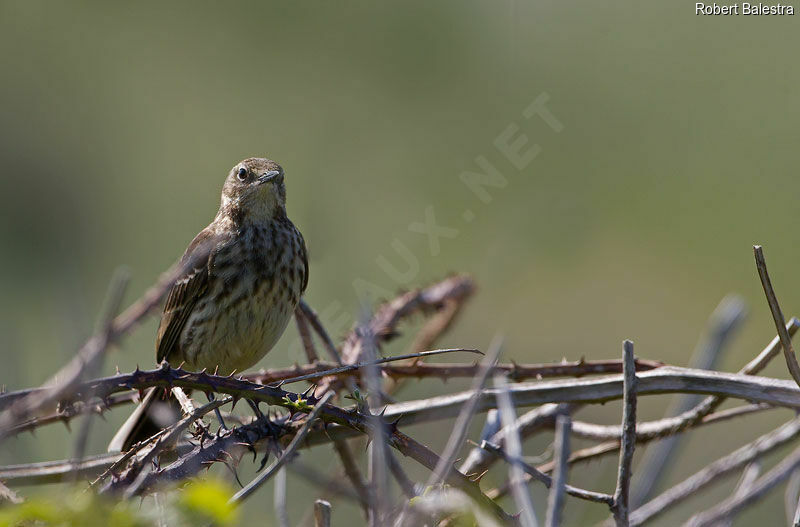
x=304, y=255
x=187, y=290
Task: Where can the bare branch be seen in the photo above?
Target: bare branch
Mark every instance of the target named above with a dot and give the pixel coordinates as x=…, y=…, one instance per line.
x=622, y=492
x=672, y=425
x=374, y=362
x=715, y=471
x=116, y=292
x=352, y=471
x=465, y=415
x=526, y=425
x=516, y=372
x=602, y=389
x=508, y=418
x=749, y=476
x=313, y=319
x=322, y=513
x=777, y=314
x=790, y=496
x=378, y=471
x=279, y=493
x=428, y=459
x=56, y=471
x=406, y=484
x=555, y=501
x=538, y=475
x=612, y=447
x=733, y=505
x=305, y=336
x=723, y=321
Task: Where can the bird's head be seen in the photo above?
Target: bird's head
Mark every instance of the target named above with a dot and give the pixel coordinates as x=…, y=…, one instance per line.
x=254, y=190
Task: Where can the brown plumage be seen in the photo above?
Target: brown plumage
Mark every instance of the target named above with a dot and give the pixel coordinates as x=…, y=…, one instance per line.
x=245, y=274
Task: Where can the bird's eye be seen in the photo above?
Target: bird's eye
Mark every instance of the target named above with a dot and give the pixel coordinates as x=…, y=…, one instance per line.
x=242, y=174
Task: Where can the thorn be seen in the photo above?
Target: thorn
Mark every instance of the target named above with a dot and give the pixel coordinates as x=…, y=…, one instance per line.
x=263, y=462
x=216, y=369
x=235, y=475
x=393, y=425
x=66, y=424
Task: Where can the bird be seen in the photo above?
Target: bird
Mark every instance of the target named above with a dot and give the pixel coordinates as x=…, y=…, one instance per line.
x=243, y=276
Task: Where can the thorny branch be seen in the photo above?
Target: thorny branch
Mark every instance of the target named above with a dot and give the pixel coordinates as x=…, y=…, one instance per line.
x=309, y=419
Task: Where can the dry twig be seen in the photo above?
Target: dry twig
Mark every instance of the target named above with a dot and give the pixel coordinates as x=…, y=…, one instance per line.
x=713, y=472
x=322, y=513
x=588, y=495
x=622, y=492
x=723, y=321
x=508, y=418
x=555, y=501
x=777, y=314
x=733, y=505
x=465, y=415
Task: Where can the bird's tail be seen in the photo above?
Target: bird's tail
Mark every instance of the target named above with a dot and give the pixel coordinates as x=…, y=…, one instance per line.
x=142, y=423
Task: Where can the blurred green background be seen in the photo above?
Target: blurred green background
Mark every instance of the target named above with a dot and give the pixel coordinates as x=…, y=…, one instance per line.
x=678, y=152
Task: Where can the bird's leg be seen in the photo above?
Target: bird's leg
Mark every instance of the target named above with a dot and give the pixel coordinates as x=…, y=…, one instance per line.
x=256, y=409
x=212, y=398
x=274, y=430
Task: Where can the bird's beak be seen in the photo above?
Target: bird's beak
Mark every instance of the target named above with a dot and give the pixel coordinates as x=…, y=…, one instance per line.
x=272, y=175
